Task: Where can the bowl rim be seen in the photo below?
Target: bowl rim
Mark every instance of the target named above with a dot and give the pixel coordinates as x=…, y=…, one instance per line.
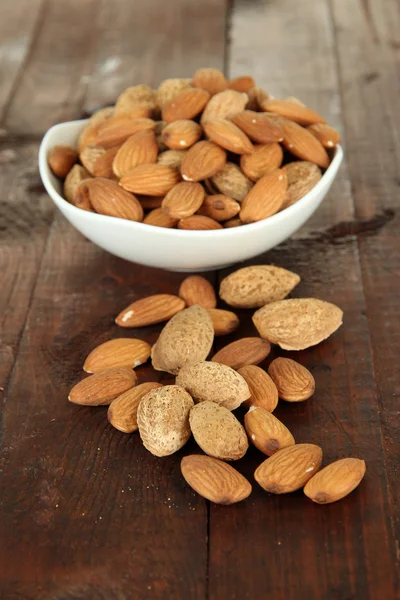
x=275, y=219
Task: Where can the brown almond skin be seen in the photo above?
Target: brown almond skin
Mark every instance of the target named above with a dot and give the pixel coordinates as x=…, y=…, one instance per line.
x=81, y=197
x=61, y=159
x=335, y=481
x=241, y=84
x=114, y=133
x=186, y=105
x=103, y=387
x=199, y=223
x=219, y=207
x=108, y=198
x=294, y=382
x=139, y=149
x=183, y=200
x=265, y=198
x=122, y=412
x=289, y=469
x=235, y=222
x=73, y=180
x=150, y=180
x=214, y=479
x=181, y=134
x=90, y=155
x=246, y=351
x=158, y=218
x=227, y=135
x=224, y=321
x=303, y=144
x=256, y=97
x=211, y=80
x=202, y=160
x=293, y=110
x=263, y=390
x=122, y=352
x=266, y=432
x=150, y=202
x=196, y=289
x=150, y=310
x=258, y=127
x=327, y=135
x=224, y=105
x=103, y=167
x=265, y=158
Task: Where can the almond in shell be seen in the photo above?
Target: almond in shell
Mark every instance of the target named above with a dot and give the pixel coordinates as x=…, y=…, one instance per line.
x=103, y=387
x=211, y=80
x=293, y=381
x=224, y=105
x=295, y=111
x=266, y=432
x=122, y=412
x=297, y=323
x=150, y=310
x=219, y=207
x=89, y=132
x=138, y=100
x=265, y=198
x=263, y=390
x=122, y=352
x=108, y=198
x=258, y=127
x=227, y=135
x=289, y=469
x=151, y=180
x=303, y=144
x=169, y=89
x=335, y=481
x=214, y=479
x=202, y=160
x=198, y=223
x=140, y=149
x=61, y=159
x=73, y=180
x=171, y=158
x=257, y=96
x=183, y=200
x=302, y=177
x=211, y=382
x=181, y=134
x=217, y=431
x=90, y=155
x=265, y=158
x=197, y=290
x=245, y=351
x=232, y=182
x=158, y=218
x=186, y=105
x=224, y=321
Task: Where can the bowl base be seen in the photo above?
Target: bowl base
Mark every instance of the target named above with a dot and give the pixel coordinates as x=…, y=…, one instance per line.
x=202, y=270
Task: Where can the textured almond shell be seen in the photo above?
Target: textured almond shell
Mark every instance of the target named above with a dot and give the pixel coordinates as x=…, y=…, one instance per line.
x=187, y=337
x=297, y=323
x=102, y=387
x=171, y=158
x=169, y=89
x=266, y=432
x=122, y=352
x=183, y=200
x=103, y=166
x=73, y=180
x=214, y=479
x=211, y=382
x=196, y=289
x=302, y=177
x=163, y=419
x=224, y=321
x=217, y=431
x=150, y=310
x=245, y=351
x=263, y=390
x=255, y=286
x=265, y=198
x=232, y=182
x=122, y=412
x=211, y=80
x=202, y=160
x=335, y=481
x=293, y=381
x=289, y=469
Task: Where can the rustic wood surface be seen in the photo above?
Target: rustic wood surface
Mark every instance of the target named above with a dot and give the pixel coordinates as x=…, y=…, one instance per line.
x=85, y=511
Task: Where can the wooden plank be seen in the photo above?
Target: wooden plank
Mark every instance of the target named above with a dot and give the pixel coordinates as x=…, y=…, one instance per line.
x=285, y=547
x=370, y=84
x=19, y=19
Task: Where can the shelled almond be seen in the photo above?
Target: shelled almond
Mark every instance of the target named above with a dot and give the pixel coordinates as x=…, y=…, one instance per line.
x=226, y=135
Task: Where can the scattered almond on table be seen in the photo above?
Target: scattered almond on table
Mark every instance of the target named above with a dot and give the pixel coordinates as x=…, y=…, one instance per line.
x=196, y=154
x=206, y=392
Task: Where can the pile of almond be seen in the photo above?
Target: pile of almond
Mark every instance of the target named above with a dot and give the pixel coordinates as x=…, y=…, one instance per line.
x=206, y=392
x=202, y=153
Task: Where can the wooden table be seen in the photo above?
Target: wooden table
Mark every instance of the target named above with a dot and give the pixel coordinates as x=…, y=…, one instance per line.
x=86, y=512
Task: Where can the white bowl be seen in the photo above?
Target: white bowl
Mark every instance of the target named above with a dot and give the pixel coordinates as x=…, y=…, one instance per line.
x=175, y=249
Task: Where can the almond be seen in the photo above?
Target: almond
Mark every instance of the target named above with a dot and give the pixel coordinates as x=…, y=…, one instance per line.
x=89, y=133
x=301, y=143
x=199, y=223
x=89, y=157
x=228, y=136
x=103, y=166
x=143, y=110
x=115, y=133
x=335, y=481
x=122, y=352
x=258, y=126
x=150, y=310
x=171, y=158
x=158, y=218
x=139, y=149
x=302, y=177
x=289, y=469
x=61, y=159
x=163, y=419
x=186, y=105
x=151, y=180
x=150, y=202
x=217, y=431
x=327, y=135
x=122, y=412
x=262, y=388
x=187, y=337
x=241, y=84
x=202, y=160
x=297, y=323
x=254, y=286
x=103, y=387
x=211, y=80
x=138, y=100
x=224, y=105
x=232, y=182
x=169, y=89
x=293, y=381
x=183, y=200
x=181, y=134
x=246, y=351
x=219, y=207
x=236, y=222
x=224, y=321
x=197, y=290
x=107, y=198
x=256, y=96
x=293, y=110
x=266, y=432
x=265, y=197
x=264, y=159
x=214, y=479
x=73, y=180
x=211, y=382
x=81, y=197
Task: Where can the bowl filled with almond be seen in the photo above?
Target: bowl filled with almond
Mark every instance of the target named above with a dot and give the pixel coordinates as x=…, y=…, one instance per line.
x=196, y=175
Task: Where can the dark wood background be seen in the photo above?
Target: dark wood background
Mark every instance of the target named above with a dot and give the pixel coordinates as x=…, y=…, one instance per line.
x=86, y=512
